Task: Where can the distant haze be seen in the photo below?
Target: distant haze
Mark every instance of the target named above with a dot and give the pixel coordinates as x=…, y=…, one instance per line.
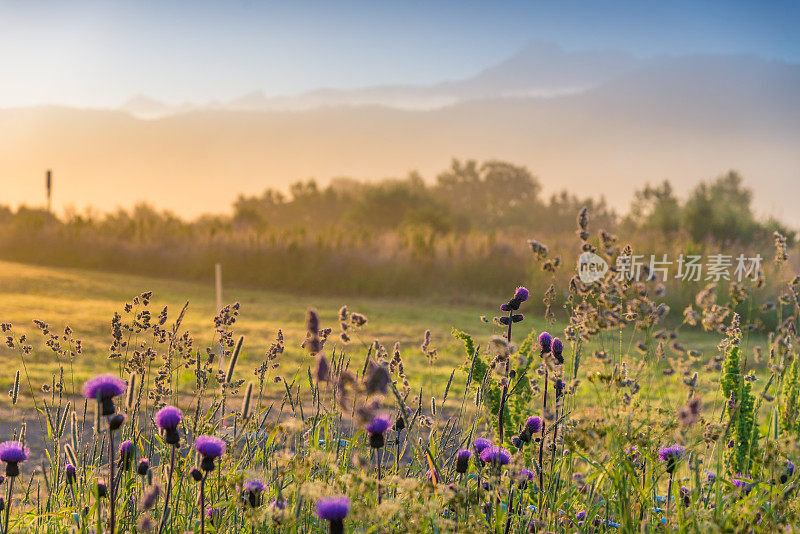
x=595, y=123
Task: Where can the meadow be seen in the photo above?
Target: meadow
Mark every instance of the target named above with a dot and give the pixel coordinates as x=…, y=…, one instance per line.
x=601, y=409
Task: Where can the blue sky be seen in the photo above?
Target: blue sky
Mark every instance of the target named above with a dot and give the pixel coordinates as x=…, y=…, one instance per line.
x=100, y=53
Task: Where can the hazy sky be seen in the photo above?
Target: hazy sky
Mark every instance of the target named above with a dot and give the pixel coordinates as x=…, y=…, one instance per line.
x=101, y=53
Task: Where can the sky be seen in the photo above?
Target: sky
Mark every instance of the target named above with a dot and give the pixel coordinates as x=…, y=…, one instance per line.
x=101, y=53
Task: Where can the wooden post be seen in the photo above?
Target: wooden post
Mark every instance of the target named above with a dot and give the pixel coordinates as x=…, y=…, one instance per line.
x=218, y=284
x=49, y=187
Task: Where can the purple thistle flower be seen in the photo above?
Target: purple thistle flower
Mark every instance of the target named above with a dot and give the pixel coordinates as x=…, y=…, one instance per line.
x=13, y=452
x=711, y=477
x=254, y=486
x=104, y=388
x=521, y=294
x=210, y=448
x=168, y=418
x=462, y=460
x=125, y=455
x=557, y=346
x=580, y=516
x=214, y=515
x=671, y=455
x=378, y=425
x=254, y=489
x=742, y=485
x=376, y=428
x=70, y=473
x=125, y=447
x=277, y=504
x=480, y=444
x=496, y=455
x=533, y=424
x=545, y=340
x=333, y=508
x=523, y=477
x=143, y=467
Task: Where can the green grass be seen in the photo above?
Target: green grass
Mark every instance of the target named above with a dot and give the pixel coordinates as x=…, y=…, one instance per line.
x=87, y=300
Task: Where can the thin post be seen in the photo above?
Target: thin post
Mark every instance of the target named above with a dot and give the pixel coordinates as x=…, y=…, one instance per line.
x=49, y=188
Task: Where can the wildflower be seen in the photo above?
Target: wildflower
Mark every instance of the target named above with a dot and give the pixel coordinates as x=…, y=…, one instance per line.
x=125, y=455
x=102, y=489
x=480, y=444
x=520, y=295
x=532, y=427
x=277, y=504
x=400, y=423
x=69, y=473
x=462, y=461
x=13, y=453
x=333, y=510
x=742, y=485
x=545, y=341
x=143, y=467
x=196, y=474
x=168, y=418
x=254, y=488
x=711, y=477
x=104, y=388
x=686, y=496
x=523, y=477
x=788, y=472
x=496, y=455
x=214, y=514
x=210, y=448
x=116, y=421
x=580, y=516
x=671, y=455
x=557, y=347
x=376, y=429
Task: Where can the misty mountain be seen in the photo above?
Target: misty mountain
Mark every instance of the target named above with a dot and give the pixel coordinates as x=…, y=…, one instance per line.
x=539, y=69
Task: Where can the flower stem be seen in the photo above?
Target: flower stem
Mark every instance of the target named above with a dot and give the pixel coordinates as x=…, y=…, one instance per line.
x=169, y=490
x=203, y=504
x=501, y=411
x=112, y=520
x=8, y=503
x=669, y=494
x=378, y=462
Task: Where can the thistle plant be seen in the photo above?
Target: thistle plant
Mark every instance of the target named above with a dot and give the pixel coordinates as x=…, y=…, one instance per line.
x=12, y=453
x=209, y=448
x=671, y=456
x=376, y=428
x=168, y=419
x=333, y=510
x=520, y=295
x=104, y=388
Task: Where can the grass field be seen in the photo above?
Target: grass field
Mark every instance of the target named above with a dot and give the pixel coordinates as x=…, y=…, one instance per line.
x=601, y=411
x=87, y=300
